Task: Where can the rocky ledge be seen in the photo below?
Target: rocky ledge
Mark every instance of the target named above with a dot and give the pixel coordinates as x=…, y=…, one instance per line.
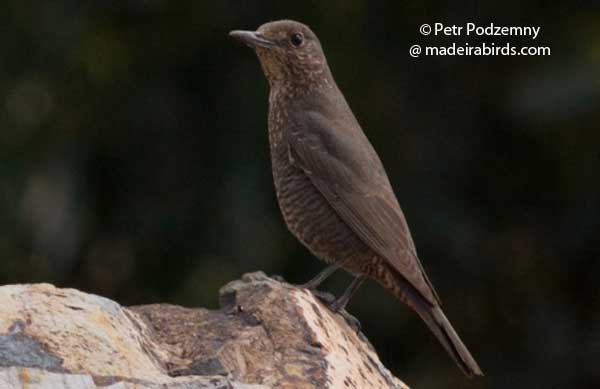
x=267, y=334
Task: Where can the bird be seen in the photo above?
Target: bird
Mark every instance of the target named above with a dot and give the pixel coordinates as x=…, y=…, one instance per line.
x=331, y=186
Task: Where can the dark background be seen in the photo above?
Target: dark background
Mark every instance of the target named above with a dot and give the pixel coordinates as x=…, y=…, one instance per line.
x=134, y=164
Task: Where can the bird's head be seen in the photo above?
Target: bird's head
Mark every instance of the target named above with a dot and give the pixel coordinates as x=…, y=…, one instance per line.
x=289, y=52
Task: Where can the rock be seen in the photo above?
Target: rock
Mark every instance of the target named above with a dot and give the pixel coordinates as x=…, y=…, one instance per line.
x=266, y=334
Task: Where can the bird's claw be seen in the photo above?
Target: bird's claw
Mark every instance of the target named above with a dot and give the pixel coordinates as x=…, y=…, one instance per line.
x=334, y=306
x=350, y=320
x=325, y=297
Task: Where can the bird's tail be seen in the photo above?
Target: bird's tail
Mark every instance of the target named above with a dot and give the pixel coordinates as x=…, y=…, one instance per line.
x=437, y=322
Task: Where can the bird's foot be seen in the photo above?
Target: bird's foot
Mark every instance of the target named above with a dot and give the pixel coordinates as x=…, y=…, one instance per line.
x=277, y=277
x=350, y=320
x=325, y=297
x=337, y=306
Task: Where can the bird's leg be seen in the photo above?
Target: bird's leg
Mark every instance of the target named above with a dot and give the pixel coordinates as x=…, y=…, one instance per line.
x=336, y=305
x=312, y=285
x=339, y=305
x=319, y=278
x=342, y=301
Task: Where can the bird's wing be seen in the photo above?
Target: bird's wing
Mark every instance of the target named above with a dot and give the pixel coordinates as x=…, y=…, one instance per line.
x=343, y=166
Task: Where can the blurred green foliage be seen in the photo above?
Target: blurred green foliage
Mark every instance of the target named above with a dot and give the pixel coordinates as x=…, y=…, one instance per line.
x=134, y=164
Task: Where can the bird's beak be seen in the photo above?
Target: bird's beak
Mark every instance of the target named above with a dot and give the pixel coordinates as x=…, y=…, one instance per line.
x=252, y=39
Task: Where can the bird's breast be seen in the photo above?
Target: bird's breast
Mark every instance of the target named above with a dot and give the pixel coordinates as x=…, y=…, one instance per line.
x=307, y=213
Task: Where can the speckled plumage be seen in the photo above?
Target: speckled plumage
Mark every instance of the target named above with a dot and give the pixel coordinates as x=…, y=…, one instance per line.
x=305, y=210
x=331, y=187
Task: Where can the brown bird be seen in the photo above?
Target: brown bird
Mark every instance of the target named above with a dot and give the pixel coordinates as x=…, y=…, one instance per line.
x=332, y=189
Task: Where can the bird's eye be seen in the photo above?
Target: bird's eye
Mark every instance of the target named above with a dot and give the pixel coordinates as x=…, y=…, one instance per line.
x=297, y=39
